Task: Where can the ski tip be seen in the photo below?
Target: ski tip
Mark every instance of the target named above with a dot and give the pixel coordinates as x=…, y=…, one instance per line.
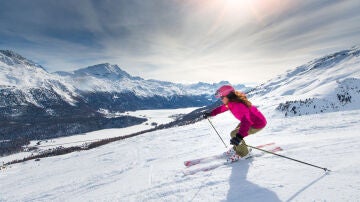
x=276, y=149
x=327, y=171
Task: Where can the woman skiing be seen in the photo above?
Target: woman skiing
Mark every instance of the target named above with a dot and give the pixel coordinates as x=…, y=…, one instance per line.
x=251, y=119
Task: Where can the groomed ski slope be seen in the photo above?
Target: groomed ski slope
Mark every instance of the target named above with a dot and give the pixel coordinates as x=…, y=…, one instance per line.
x=149, y=167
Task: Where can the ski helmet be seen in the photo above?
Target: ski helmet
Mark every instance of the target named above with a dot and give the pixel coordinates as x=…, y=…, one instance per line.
x=224, y=91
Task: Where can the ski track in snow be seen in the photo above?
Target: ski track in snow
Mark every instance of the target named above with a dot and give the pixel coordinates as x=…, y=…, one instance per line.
x=149, y=167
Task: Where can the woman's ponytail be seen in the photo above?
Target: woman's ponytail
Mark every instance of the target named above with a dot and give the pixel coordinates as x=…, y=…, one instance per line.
x=238, y=96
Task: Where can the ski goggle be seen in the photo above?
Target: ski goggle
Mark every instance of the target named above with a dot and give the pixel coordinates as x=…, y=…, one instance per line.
x=221, y=94
x=218, y=94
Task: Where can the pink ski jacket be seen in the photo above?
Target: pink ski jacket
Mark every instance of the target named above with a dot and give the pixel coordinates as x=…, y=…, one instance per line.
x=249, y=117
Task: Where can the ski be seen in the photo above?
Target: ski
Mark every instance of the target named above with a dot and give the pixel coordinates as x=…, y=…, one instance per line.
x=204, y=169
x=218, y=156
x=219, y=164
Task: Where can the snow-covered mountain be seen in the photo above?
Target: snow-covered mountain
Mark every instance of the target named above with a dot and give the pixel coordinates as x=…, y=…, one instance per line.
x=36, y=104
x=106, y=86
x=12, y=59
x=20, y=74
x=101, y=77
x=111, y=78
x=327, y=84
x=23, y=82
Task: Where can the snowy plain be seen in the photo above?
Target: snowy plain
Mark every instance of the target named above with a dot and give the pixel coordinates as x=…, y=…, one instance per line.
x=149, y=167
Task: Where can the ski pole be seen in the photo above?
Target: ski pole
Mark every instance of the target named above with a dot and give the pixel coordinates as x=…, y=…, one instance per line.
x=216, y=132
x=325, y=169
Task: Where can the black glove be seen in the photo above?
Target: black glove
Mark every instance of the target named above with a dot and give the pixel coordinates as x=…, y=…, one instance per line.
x=206, y=115
x=236, y=140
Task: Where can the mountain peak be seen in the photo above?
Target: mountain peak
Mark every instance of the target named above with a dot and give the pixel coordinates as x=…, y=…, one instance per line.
x=12, y=58
x=11, y=53
x=103, y=70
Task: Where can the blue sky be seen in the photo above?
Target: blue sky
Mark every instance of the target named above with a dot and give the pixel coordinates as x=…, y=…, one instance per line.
x=242, y=41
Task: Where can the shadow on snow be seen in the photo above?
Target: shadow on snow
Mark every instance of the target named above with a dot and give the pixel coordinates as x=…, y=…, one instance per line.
x=243, y=190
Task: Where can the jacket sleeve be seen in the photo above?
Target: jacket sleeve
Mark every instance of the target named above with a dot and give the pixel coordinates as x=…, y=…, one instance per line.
x=218, y=110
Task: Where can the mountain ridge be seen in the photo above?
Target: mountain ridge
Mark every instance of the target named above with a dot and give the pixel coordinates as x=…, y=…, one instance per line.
x=17, y=59
x=326, y=84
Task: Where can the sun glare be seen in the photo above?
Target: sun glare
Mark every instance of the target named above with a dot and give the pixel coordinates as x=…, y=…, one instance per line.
x=234, y=2
x=234, y=5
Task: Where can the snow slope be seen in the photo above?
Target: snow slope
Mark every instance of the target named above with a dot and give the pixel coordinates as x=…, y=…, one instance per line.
x=149, y=167
x=163, y=116
x=327, y=84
